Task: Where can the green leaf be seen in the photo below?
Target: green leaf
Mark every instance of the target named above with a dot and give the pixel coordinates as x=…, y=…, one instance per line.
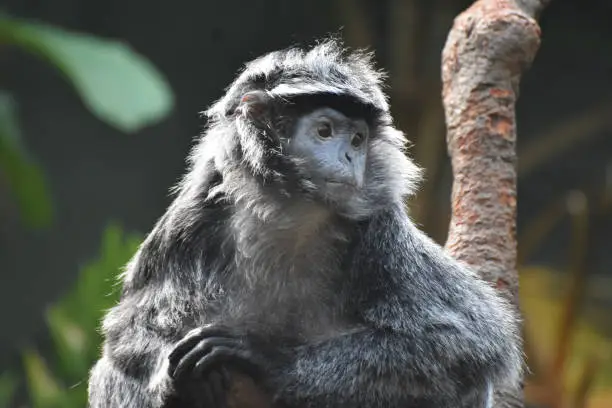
x=118, y=85
x=43, y=388
x=95, y=291
x=8, y=386
x=73, y=322
x=71, y=344
x=22, y=173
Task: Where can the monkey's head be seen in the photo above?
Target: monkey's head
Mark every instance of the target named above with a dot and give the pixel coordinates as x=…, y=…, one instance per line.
x=312, y=125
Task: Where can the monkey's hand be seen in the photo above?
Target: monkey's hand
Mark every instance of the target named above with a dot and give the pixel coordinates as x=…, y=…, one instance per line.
x=198, y=365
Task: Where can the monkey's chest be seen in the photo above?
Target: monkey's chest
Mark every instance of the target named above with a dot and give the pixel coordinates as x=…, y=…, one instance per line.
x=290, y=304
x=288, y=280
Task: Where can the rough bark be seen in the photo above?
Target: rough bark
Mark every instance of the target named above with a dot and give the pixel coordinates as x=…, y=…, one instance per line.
x=488, y=48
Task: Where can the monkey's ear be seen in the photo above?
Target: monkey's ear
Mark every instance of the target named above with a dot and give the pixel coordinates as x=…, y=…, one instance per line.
x=255, y=105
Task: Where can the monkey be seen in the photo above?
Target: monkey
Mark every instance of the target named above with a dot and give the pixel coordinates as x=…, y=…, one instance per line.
x=287, y=258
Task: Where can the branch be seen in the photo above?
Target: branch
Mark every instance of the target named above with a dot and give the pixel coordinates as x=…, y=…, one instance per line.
x=488, y=48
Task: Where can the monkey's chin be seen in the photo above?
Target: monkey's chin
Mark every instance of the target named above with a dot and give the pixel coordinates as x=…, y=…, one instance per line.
x=346, y=199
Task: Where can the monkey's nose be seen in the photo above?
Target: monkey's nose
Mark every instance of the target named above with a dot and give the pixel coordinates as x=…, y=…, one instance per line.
x=348, y=157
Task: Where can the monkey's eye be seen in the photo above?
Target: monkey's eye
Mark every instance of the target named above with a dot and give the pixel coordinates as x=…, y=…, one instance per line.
x=324, y=130
x=357, y=140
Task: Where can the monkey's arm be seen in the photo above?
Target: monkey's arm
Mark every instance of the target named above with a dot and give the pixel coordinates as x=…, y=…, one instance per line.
x=141, y=331
x=431, y=333
x=133, y=352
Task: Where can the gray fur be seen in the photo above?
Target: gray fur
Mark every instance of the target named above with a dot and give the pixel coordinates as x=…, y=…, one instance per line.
x=372, y=312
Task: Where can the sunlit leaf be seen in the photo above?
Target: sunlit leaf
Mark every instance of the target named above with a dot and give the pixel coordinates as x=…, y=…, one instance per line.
x=117, y=84
x=541, y=292
x=71, y=344
x=94, y=292
x=21, y=172
x=601, y=399
x=44, y=389
x=97, y=288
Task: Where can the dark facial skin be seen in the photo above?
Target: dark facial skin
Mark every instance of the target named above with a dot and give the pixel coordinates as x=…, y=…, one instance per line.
x=333, y=149
x=329, y=149
x=334, y=146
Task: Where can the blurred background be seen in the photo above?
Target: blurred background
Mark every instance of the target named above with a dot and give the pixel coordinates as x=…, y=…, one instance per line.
x=99, y=105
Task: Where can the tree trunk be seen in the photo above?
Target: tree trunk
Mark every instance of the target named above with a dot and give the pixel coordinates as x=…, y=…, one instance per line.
x=488, y=48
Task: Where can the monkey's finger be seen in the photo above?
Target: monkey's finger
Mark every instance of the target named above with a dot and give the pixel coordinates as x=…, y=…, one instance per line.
x=203, y=347
x=215, y=357
x=185, y=364
x=192, y=338
x=185, y=344
x=240, y=358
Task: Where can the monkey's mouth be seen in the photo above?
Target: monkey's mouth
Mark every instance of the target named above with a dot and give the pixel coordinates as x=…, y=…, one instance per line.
x=341, y=183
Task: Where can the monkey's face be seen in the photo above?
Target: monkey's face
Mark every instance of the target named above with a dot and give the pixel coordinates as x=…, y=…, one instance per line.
x=331, y=151
x=326, y=149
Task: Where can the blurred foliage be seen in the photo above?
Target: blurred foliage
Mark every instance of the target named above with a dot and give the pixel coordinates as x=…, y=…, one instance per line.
x=116, y=84
x=8, y=385
x=567, y=350
x=543, y=308
x=60, y=379
x=124, y=90
x=21, y=172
